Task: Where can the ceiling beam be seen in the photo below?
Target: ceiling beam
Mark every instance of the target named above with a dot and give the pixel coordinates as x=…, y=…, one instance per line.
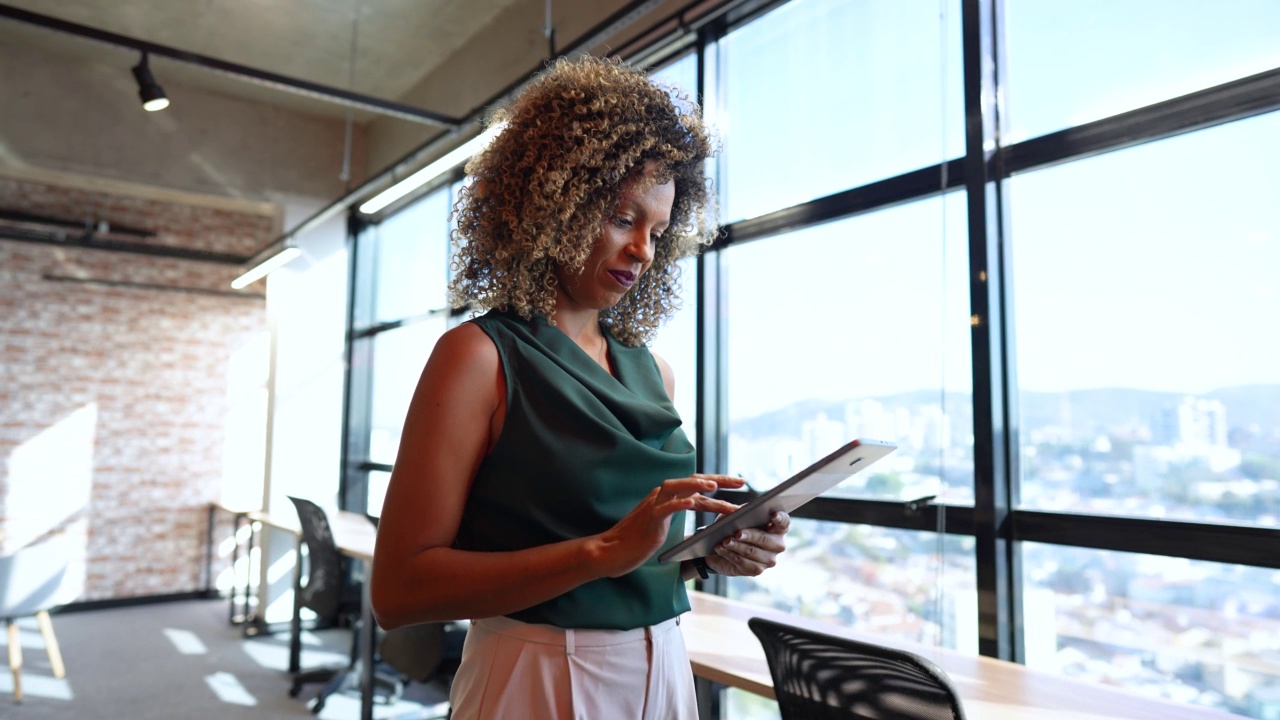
x=265, y=78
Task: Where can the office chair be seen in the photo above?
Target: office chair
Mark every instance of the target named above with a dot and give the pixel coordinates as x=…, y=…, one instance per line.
x=34, y=580
x=335, y=603
x=428, y=653
x=823, y=677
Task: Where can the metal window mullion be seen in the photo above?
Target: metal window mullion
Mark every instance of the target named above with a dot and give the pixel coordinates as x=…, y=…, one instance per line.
x=993, y=476
x=353, y=482
x=1243, y=98
x=1247, y=545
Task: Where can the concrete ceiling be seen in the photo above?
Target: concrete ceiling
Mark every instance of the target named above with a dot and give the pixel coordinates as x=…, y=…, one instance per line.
x=397, y=42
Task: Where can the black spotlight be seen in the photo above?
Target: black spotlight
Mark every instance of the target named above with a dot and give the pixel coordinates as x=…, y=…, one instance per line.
x=153, y=97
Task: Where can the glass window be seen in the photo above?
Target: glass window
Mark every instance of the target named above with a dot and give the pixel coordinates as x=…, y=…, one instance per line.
x=412, y=266
x=1145, y=288
x=1071, y=63
x=825, y=95
x=857, y=328
x=1194, y=632
x=378, y=482
x=677, y=343
x=399, y=356
x=677, y=340
x=681, y=74
x=900, y=583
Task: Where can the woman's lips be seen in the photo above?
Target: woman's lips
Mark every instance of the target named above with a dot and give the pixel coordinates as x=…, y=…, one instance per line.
x=624, y=278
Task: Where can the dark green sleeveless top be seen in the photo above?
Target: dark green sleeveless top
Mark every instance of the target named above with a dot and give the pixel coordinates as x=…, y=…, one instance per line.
x=579, y=449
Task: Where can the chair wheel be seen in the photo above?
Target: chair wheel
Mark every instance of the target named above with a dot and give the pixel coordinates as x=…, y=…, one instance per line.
x=294, y=690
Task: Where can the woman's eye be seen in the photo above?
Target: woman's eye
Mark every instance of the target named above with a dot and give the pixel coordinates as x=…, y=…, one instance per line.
x=622, y=222
x=655, y=238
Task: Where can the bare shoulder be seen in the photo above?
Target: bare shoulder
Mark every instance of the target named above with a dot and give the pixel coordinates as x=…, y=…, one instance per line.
x=668, y=375
x=468, y=342
x=464, y=369
x=465, y=350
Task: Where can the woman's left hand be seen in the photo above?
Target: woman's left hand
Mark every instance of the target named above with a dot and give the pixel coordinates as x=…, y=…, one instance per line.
x=751, y=552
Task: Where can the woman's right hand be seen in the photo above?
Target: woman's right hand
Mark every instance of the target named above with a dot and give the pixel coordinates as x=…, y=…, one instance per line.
x=641, y=533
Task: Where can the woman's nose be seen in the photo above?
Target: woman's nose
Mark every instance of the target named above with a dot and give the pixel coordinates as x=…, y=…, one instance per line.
x=641, y=248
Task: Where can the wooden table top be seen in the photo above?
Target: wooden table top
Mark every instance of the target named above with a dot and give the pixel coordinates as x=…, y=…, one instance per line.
x=723, y=649
x=353, y=533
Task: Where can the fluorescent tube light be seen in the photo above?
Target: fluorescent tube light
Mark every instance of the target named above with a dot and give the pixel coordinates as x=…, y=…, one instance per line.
x=262, y=269
x=449, y=161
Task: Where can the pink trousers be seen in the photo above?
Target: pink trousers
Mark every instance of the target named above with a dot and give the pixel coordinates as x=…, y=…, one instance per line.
x=518, y=671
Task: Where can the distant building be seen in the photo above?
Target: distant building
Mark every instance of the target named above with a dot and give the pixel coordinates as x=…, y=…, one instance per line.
x=1195, y=423
x=1193, y=430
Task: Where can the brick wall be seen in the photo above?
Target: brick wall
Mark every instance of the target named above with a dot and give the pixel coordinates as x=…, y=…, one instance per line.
x=116, y=383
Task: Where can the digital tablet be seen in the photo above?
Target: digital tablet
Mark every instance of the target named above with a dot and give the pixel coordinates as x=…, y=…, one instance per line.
x=786, y=496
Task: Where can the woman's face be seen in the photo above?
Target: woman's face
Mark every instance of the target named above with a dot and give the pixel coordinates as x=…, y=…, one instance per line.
x=623, y=251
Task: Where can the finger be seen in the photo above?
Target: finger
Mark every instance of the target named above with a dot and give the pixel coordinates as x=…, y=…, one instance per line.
x=707, y=504
x=742, y=558
x=779, y=524
x=761, y=539
x=671, y=505
x=691, y=485
x=724, y=481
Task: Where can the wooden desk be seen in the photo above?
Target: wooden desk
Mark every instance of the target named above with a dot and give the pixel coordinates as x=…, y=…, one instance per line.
x=354, y=535
x=724, y=650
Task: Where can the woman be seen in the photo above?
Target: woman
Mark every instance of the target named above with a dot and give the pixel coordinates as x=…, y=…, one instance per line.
x=542, y=467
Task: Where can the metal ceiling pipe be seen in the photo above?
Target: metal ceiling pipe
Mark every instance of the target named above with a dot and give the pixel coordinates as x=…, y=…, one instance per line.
x=242, y=72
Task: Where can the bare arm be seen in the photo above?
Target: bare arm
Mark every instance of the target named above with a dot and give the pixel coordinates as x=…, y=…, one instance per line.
x=418, y=576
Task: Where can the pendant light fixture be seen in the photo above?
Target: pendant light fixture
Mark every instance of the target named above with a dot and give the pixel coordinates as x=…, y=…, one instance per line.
x=153, y=97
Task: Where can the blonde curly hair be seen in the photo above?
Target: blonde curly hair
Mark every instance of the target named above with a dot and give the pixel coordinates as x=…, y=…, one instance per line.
x=575, y=139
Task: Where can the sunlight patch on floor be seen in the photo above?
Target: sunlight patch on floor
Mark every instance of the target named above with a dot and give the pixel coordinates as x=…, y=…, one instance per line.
x=33, y=685
x=186, y=642
x=346, y=706
x=275, y=655
x=229, y=690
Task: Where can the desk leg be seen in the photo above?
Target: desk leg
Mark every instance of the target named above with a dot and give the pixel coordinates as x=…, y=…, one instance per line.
x=208, y=551
x=367, y=637
x=235, y=572
x=295, y=622
x=709, y=695
x=252, y=619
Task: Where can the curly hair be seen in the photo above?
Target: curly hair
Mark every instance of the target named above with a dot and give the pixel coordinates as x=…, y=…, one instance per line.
x=539, y=195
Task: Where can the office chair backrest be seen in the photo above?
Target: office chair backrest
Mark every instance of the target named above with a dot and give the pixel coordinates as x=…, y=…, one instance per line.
x=824, y=677
x=326, y=571
x=415, y=651
x=39, y=577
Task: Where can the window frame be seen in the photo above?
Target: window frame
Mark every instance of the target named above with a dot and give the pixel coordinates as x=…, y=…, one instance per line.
x=995, y=520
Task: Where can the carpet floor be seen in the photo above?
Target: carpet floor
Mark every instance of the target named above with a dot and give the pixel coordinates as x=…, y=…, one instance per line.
x=183, y=660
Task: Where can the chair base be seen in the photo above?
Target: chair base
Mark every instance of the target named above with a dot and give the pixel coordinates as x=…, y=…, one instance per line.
x=341, y=679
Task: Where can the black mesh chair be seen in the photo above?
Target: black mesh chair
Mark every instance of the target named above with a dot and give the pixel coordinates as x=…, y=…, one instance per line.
x=335, y=602
x=427, y=654
x=823, y=677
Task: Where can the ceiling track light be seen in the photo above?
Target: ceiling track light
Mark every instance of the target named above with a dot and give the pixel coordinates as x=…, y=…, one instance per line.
x=269, y=264
x=153, y=97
